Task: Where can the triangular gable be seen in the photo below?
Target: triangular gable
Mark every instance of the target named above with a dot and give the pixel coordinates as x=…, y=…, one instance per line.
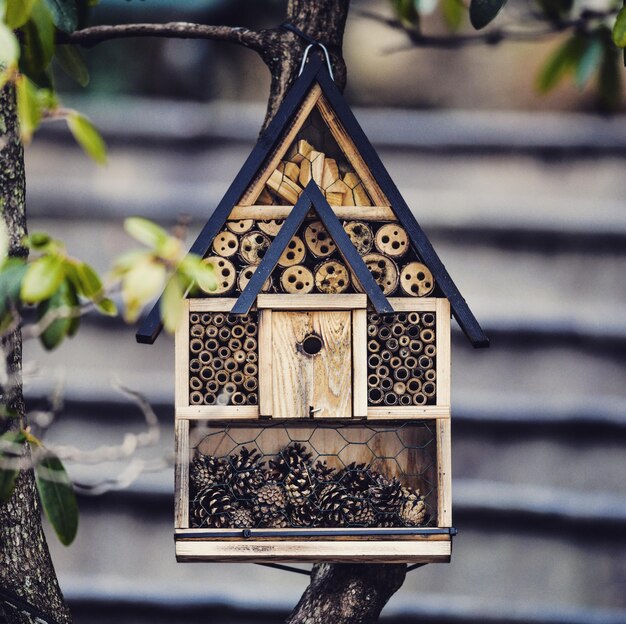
x=311, y=197
x=368, y=166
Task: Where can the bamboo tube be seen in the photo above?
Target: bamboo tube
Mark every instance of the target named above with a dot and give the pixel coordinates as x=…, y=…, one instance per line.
x=230, y=365
x=386, y=383
x=390, y=399
x=232, y=319
x=410, y=362
x=197, y=330
x=221, y=377
x=375, y=396
x=224, y=334
x=196, y=398
x=427, y=335
x=392, y=344
x=372, y=380
x=253, y=398
x=406, y=399
x=382, y=372
x=211, y=331
x=240, y=356
x=234, y=344
x=217, y=364
x=402, y=317
x=195, y=345
x=374, y=360
x=237, y=377
x=401, y=373
x=397, y=329
x=429, y=389
x=413, y=318
x=430, y=350
x=194, y=318
x=205, y=357
x=373, y=346
x=251, y=370
x=194, y=365
x=223, y=398
x=388, y=319
x=238, y=398
x=404, y=340
x=414, y=385
x=385, y=355
x=399, y=387
x=373, y=318
x=224, y=352
x=212, y=345
x=206, y=319
x=416, y=346
x=413, y=331
x=251, y=329
x=384, y=333
x=430, y=374
x=250, y=344
x=209, y=398
x=395, y=362
x=428, y=319
x=212, y=386
x=230, y=388
x=244, y=319
x=195, y=383
x=250, y=383
x=237, y=331
x=424, y=361
x=253, y=357
x=372, y=331
x=419, y=398
x=404, y=352
x=219, y=319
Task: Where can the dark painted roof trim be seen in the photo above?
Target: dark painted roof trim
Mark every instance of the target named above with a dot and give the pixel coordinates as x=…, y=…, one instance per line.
x=311, y=197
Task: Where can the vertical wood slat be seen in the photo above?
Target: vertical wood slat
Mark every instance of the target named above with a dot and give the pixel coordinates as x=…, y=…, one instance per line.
x=359, y=363
x=181, y=360
x=265, y=363
x=444, y=473
x=442, y=342
x=181, y=475
x=253, y=192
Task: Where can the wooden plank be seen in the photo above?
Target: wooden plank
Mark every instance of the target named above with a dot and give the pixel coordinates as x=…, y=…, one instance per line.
x=401, y=551
x=312, y=302
x=307, y=105
x=265, y=363
x=352, y=153
x=209, y=304
x=181, y=476
x=217, y=412
x=266, y=213
x=331, y=173
x=413, y=304
x=409, y=412
x=181, y=360
x=442, y=342
x=316, y=534
x=284, y=187
x=359, y=362
x=444, y=474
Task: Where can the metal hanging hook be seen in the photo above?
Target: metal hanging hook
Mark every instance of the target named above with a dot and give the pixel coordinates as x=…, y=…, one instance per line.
x=306, y=55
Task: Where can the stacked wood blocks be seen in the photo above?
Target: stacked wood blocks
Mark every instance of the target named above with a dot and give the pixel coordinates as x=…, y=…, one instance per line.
x=223, y=359
x=401, y=359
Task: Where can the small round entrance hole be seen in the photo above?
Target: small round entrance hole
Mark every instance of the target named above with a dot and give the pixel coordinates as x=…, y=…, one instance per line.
x=312, y=344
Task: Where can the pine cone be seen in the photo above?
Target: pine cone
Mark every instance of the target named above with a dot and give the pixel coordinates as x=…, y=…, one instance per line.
x=206, y=470
x=356, y=478
x=306, y=515
x=212, y=507
x=242, y=518
x=360, y=512
x=386, y=495
x=387, y=520
x=277, y=522
x=294, y=456
x=271, y=499
x=323, y=473
x=299, y=486
x=413, y=511
x=246, y=473
x=334, y=505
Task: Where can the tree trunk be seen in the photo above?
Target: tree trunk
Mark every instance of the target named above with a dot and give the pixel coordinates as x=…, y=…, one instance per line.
x=338, y=593
x=26, y=568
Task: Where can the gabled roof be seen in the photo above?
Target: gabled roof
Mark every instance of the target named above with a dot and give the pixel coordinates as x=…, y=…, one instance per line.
x=316, y=72
x=312, y=197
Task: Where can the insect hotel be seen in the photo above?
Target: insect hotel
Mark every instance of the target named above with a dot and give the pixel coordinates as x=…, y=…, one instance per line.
x=313, y=385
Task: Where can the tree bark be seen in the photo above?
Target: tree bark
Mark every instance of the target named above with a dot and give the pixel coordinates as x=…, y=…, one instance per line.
x=26, y=568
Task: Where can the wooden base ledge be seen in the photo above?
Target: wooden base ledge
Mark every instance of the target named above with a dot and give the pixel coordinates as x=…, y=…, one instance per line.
x=314, y=551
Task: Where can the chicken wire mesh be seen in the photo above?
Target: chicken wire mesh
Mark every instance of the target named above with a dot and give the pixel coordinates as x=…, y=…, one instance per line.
x=327, y=475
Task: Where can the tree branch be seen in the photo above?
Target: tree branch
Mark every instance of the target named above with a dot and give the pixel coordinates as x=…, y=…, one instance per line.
x=174, y=30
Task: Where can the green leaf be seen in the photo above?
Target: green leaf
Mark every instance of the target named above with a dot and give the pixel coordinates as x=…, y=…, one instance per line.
x=87, y=137
x=73, y=64
x=141, y=284
x=38, y=241
x=406, y=11
x=38, y=41
x=42, y=278
x=11, y=276
x=453, y=12
x=482, y=12
x=85, y=279
x=9, y=47
x=57, y=497
x=64, y=303
x=64, y=14
x=619, y=29
x=10, y=453
x=200, y=271
x=107, y=306
x=146, y=232
x=28, y=107
x=589, y=61
x=172, y=304
x=563, y=61
x=18, y=12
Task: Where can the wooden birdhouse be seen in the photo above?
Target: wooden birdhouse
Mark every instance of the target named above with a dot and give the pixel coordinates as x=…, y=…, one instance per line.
x=313, y=386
